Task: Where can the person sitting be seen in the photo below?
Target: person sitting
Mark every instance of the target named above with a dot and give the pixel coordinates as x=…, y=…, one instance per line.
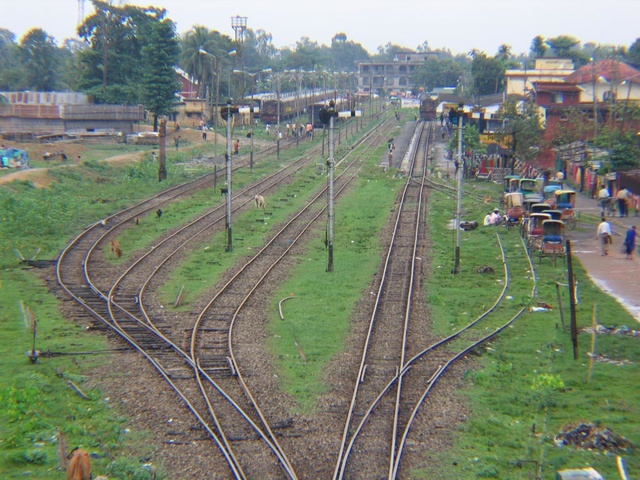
x=487, y=219
x=496, y=218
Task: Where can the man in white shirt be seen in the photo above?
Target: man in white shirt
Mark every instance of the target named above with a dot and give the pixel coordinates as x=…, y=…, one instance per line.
x=603, y=197
x=604, y=234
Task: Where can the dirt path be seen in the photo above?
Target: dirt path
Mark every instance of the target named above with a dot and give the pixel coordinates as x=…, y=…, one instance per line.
x=40, y=175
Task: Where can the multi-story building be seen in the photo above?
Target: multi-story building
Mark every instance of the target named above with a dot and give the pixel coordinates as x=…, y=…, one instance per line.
x=396, y=75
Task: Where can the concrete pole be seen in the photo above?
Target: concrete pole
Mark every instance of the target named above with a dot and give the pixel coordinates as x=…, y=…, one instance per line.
x=331, y=215
x=228, y=165
x=456, y=266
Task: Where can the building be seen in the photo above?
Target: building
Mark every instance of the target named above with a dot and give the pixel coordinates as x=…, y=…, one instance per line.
x=594, y=91
x=519, y=82
x=396, y=75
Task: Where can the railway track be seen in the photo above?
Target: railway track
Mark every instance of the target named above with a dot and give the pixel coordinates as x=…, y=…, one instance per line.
x=399, y=367
x=224, y=406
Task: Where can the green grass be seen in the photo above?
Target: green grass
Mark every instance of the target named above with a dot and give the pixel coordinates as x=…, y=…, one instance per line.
x=37, y=399
x=528, y=381
x=317, y=318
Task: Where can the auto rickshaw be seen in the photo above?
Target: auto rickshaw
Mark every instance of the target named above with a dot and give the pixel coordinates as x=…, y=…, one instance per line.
x=532, y=229
x=552, y=242
x=514, y=208
x=566, y=202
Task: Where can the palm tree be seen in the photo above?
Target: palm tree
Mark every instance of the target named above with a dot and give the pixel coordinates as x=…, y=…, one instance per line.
x=199, y=66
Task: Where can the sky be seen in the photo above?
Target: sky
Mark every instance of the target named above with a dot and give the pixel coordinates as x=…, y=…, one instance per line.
x=460, y=25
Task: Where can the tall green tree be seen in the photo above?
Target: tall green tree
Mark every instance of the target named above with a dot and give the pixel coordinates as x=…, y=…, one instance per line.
x=160, y=57
x=8, y=60
x=345, y=53
x=563, y=45
x=201, y=67
x=488, y=74
x=538, y=47
x=38, y=55
x=521, y=128
x=632, y=55
x=437, y=72
x=111, y=68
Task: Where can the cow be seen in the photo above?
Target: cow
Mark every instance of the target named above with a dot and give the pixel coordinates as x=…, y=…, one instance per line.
x=79, y=465
x=115, y=248
x=260, y=203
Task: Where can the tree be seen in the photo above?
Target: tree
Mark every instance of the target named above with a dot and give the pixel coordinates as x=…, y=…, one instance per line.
x=200, y=66
x=562, y=45
x=345, y=54
x=439, y=73
x=160, y=57
x=488, y=74
x=504, y=52
x=8, y=60
x=111, y=67
x=538, y=47
x=632, y=55
x=38, y=55
x=521, y=128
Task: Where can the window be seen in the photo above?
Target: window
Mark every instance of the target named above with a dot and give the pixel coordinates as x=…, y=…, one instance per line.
x=557, y=97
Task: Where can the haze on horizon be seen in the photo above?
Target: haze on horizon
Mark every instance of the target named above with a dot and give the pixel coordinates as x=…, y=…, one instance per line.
x=458, y=26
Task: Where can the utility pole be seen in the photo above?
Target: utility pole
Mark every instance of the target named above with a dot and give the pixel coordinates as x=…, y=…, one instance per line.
x=460, y=169
x=328, y=115
x=227, y=114
x=162, y=139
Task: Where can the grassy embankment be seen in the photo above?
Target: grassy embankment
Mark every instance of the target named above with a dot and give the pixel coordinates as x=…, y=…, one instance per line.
x=38, y=398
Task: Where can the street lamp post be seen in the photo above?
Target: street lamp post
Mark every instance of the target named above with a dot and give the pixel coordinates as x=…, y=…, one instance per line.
x=214, y=114
x=227, y=114
x=251, y=110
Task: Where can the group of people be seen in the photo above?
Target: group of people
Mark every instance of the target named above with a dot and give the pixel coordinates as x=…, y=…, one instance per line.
x=605, y=235
x=623, y=199
x=493, y=218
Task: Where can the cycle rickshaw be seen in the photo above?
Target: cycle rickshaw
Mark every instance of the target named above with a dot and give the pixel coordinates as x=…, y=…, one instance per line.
x=552, y=242
x=566, y=202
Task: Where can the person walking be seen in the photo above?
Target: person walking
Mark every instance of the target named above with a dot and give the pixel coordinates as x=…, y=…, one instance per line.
x=236, y=146
x=630, y=242
x=623, y=201
x=603, y=198
x=604, y=234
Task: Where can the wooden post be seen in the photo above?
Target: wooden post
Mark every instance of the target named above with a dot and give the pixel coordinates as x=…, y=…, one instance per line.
x=162, y=136
x=572, y=303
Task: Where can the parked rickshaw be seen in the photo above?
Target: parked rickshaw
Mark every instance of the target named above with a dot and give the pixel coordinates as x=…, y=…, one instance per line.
x=532, y=229
x=552, y=242
x=528, y=186
x=511, y=183
x=549, y=194
x=555, y=214
x=514, y=208
x=540, y=207
x=566, y=202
